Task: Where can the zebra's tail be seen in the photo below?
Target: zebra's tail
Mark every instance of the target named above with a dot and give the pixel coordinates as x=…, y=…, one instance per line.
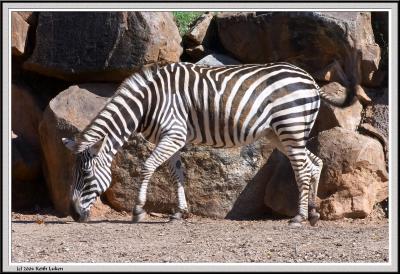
x=342, y=100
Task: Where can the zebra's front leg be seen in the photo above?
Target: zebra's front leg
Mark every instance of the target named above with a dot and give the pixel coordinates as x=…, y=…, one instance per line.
x=176, y=169
x=138, y=212
x=164, y=150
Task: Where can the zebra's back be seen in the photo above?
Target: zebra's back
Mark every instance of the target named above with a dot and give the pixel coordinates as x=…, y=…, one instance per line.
x=233, y=105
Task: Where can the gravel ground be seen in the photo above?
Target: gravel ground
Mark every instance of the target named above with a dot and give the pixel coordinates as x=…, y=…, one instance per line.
x=113, y=238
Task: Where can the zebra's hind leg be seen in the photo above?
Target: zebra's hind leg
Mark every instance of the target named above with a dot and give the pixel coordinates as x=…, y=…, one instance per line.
x=315, y=176
x=301, y=165
x=176, y=169
x=163, y=151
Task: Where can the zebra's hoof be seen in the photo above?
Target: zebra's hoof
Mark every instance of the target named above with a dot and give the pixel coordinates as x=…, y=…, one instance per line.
x=297, y=221
x=314, y=217
x=176, y=217
x=139, y=218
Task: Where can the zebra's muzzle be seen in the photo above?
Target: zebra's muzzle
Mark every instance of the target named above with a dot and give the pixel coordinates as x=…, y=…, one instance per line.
x=77, y=213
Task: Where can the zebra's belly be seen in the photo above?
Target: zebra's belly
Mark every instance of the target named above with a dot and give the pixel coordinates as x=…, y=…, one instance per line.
x=224, y=139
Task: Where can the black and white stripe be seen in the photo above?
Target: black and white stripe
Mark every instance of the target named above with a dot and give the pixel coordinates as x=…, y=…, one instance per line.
x=216, y=106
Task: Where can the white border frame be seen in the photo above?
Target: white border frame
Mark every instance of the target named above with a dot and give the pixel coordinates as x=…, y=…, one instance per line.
x=392, y=8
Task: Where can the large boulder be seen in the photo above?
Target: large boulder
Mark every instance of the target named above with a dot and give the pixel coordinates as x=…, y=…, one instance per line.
x=28, y=187
x=312, y=40
x=67, y=114
x=219, y=182
x=353, y=179
x=101, y=46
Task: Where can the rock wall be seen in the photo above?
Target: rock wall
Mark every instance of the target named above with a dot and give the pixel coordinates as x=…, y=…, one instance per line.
x=59, y=58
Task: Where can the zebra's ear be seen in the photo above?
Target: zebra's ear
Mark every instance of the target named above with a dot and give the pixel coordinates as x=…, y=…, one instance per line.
x=98, y=146
x=70, y=144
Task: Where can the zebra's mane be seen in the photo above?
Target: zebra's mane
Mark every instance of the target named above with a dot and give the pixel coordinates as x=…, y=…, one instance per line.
x=135, y=81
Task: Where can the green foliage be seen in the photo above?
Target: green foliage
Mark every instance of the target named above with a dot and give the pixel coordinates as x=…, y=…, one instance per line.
x=184, y=19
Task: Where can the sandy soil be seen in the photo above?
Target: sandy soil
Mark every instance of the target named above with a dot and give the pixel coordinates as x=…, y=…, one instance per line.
x=111, y=237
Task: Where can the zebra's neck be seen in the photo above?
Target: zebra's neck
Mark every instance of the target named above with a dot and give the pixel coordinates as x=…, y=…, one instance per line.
x=119, y=118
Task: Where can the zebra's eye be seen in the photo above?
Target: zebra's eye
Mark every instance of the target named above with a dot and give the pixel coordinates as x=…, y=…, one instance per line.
x=87, y=169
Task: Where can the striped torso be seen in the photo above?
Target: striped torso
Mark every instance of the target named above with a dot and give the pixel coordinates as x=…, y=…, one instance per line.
x=232, y=105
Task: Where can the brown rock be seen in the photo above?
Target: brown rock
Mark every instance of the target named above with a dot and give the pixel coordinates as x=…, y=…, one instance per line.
x=353, y=179
x=99, y=209
x=311, y=40
x=102, y=46
x=29, y=16
x=369, y=130
x=67, y=114
x=202, y=38
x=377, y=113
x=362, y=96
x=201, y=33
x=28, y=187
x=330, y=116
x=370, y=51
x=19, y=33
x=26, y=114
x=375, y=121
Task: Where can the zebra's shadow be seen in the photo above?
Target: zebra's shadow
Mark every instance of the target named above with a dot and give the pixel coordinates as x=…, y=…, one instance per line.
x=92, y=222
x=128, y=222
x=274, y=180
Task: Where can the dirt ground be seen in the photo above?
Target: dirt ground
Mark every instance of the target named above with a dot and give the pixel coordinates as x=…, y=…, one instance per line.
x=110, y=236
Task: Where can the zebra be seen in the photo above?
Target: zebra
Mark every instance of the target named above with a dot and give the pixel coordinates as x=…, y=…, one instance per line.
x=221, y=107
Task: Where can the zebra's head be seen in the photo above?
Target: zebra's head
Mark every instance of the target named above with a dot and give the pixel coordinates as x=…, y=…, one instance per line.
x=91, y=176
